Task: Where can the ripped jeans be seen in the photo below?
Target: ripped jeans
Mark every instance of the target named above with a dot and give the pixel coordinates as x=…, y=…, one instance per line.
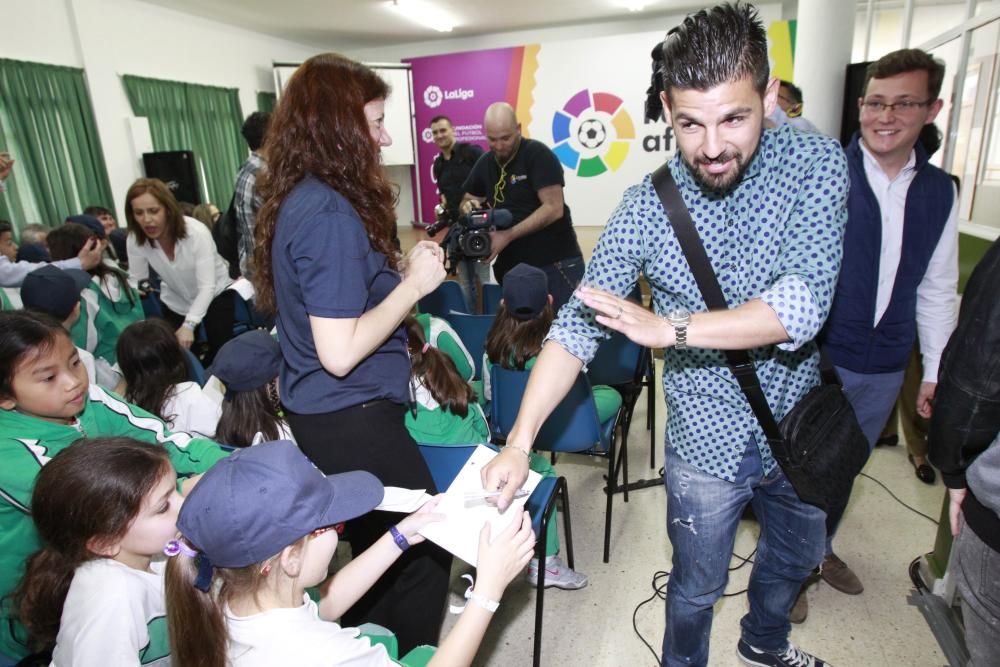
x=703, y=513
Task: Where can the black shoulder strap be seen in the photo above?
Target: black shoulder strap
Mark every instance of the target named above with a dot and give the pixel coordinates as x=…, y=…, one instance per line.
x=694, y=252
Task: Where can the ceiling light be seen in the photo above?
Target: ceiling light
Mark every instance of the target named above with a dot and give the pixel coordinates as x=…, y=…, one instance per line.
x=633, y=5
x=424, y=13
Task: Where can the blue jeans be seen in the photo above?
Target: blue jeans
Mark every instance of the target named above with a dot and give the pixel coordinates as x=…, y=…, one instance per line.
x=703, y=513
x=872, y=396
x=564, y=277
x=471, y=274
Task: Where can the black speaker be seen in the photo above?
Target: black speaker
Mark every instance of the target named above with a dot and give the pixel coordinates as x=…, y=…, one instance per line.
x=854, y=83
x=176, y=169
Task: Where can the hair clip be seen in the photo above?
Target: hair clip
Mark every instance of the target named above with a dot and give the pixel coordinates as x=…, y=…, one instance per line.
x=175, y=547
x=424, y=349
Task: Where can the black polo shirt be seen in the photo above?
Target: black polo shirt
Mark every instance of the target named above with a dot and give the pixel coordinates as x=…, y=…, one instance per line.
x=450, y=174
x=532, y=168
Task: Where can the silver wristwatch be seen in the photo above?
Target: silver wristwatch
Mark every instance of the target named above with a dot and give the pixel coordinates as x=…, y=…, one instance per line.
x=679, y=320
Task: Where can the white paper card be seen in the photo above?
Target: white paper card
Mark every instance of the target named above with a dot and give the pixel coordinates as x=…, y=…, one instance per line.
x=466, y=516
x=397, y=499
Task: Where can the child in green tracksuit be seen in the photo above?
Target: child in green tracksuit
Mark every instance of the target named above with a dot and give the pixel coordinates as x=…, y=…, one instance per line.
x=107, y=306
x=514, y=341
x=47, y=403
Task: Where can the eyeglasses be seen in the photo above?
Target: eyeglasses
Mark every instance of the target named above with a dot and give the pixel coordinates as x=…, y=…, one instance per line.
x=905, y=107
x=325, y=529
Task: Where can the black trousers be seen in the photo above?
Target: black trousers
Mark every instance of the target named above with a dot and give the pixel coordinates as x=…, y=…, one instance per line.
x=218, y=321
x=410, y=597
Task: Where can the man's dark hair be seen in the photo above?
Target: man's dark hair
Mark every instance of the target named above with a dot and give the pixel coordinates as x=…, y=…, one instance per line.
x=793, y=90
x=6, y=227
x=437, y=119
x=255, y=128
x=907, y=60
x=97, y=211
x=715, y=46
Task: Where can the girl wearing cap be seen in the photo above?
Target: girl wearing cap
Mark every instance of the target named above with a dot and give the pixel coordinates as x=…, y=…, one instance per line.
x=258, y=529
x=326, y=263
x=514, y=341
x=193, y=277
x=111, y=304
x=248, y=366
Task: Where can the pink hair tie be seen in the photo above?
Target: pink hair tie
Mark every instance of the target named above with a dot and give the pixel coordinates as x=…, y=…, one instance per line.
x=424, y=349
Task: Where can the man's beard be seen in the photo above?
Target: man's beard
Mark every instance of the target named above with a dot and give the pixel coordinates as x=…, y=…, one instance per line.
x=719, y=184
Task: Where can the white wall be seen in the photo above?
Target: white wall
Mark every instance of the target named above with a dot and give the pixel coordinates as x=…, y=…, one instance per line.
x=109, y=38
x=887, y=30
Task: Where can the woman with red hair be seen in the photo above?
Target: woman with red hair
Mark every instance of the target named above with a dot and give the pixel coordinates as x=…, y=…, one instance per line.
x=326, y=263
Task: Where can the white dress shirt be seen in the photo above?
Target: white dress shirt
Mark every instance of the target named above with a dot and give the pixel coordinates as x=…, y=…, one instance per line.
x=937, y=293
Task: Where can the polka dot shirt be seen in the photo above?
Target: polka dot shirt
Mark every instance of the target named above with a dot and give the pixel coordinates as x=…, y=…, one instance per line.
x=776, y=237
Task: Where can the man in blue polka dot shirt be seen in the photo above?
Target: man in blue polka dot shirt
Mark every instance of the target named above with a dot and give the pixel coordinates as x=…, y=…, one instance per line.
x=769, y=206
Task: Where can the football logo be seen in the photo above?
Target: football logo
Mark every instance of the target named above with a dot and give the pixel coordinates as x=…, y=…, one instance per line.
x=433, y=96
x=592, y=133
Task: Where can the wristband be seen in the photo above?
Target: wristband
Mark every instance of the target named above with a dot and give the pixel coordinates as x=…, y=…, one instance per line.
x=399, y=538
x=191, y=326
x=518, y=449
x=483, y=601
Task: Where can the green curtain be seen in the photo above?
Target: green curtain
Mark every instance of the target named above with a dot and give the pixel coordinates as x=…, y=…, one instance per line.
x=191, y=117
x=47, y=124
x=266, y=101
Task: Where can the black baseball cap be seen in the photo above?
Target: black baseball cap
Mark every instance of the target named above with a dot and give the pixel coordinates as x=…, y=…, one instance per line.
x=247, y=362
x=53, y=291
x=259, y=500
x=525, y=291
x=90, y=222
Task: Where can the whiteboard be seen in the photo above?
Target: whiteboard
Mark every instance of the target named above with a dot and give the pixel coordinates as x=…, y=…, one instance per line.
x=398, y=108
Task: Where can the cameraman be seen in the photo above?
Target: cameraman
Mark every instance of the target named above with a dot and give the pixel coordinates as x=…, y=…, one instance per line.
x=451, y=168
x=524, y=176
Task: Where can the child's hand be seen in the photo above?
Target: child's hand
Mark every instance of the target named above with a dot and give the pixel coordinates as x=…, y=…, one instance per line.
x=499, y=562
x=423, y=516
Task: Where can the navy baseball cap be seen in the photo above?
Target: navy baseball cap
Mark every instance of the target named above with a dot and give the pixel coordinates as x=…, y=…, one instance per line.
x=90, y=222
x=53, y=291
x=259, y=500
x=525, y=291
x=33, y=252
x=247, y=362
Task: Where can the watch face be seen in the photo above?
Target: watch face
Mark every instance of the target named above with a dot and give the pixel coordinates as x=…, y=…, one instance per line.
x=680, y=315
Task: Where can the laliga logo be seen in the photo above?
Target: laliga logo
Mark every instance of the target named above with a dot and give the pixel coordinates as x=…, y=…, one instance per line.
x=427, y=135
x=592, y=133
x=434, y=96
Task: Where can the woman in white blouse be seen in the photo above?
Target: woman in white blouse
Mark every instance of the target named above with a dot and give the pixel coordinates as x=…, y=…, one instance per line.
x=182, y=252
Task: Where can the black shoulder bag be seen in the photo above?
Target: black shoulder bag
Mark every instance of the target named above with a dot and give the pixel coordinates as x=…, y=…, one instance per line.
x=819, y=444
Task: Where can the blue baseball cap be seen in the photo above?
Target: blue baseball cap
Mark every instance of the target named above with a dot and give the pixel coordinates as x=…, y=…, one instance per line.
x=53, y=291
x=90, y=222
x=259, y=500
x=247, y=362
x=525, y=291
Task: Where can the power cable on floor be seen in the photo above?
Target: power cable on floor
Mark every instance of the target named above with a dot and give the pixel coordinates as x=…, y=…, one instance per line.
x=896, y=498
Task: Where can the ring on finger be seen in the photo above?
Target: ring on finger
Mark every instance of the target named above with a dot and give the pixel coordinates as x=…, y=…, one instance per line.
x=621, y=310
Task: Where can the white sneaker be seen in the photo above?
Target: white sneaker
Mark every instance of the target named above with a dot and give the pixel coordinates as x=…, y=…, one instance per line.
x=557, y=574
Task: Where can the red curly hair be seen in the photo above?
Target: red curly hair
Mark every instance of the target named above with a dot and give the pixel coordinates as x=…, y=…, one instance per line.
x=319, y=128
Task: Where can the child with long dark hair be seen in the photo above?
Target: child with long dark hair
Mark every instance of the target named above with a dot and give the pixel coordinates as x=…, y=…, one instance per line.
x=260, y=528
x=514, y=341
x=248, y=366
x=445, y=409
x=46, y=404
x=111, y=303
x=93, y=593
x=156, y=373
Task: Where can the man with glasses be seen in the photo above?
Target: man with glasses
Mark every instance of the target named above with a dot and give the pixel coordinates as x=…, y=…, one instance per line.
x=789, y=108
x=525, y=177
x=900, y=270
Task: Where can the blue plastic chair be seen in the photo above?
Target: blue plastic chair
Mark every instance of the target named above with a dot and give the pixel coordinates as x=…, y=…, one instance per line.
x=444, y=300
x=196, y=372
x=472, y=329
x=492, y=293
x=621, y=364
x=572, y=427
x=445, y=462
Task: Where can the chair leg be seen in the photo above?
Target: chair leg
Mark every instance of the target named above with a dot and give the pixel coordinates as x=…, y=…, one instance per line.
x=609, y=491
x=563, y=488
x=650, y=422
x=540, y=555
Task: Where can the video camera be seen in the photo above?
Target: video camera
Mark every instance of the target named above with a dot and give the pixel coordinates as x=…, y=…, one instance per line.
x=468, y=235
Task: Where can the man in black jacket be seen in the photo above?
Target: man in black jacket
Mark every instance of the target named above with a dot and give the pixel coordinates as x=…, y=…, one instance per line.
x=964, y=442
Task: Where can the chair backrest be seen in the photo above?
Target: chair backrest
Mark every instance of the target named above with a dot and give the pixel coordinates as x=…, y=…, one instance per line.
x=445, y=462
x=618, y=361
x=472, y=329
x=443, y=300
x=573, y=425
x=492, y=293
x=196, y=372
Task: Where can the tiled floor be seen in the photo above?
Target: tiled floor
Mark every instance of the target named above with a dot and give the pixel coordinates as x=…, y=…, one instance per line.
x=594, y=626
